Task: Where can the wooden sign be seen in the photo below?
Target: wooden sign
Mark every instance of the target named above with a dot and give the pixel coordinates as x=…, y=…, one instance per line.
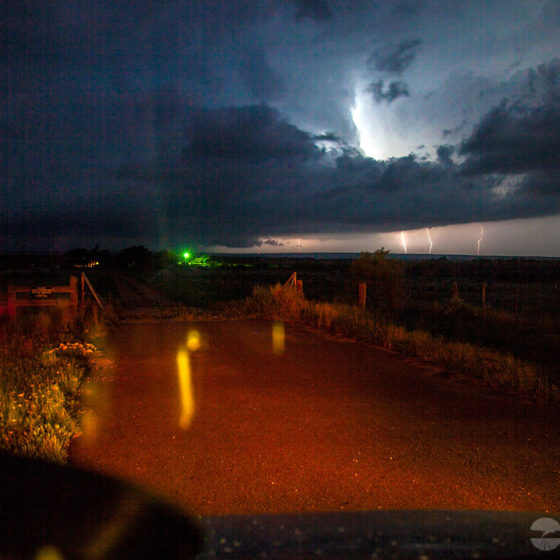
x=25, y=296
x=41, y=292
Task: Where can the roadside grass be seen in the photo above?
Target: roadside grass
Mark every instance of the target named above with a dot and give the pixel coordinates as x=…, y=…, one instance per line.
x=41, y=381
x=489, y=366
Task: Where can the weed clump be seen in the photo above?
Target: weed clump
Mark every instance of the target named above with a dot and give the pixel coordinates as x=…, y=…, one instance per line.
x=39, y=398
x=491, y=367
x=276, y=302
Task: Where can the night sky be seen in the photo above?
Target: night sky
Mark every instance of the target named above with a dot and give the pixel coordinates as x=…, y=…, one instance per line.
x=281, y=125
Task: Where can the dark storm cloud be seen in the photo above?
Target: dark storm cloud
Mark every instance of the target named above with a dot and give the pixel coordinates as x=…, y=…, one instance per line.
x=444, y=153
x=522, y=135
x=520, y=139
x=269, y=242
x=232, y=176
x=407, y=7
x=328, y=137
x=505, y=142
x=170, y=122
x=394, y=59
x=313, y=9
x=394, y=90
x=261, y=78
x=203, y=47
x=541, y=183
x=254, y=133
x=25, y=29
x=448, y=132
x=81, y=222
x=216, y=198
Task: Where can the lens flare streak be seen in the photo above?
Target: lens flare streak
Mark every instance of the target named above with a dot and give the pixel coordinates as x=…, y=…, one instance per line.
x=185, y=389
x=278, y=338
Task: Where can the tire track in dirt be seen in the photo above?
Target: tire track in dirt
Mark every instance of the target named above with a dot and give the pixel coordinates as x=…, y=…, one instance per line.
x=135, y=295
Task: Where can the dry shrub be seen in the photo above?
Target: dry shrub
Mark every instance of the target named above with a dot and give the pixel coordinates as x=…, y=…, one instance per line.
x=326, y=314
x=491, y=367
x=276, y=302
x=39, y=397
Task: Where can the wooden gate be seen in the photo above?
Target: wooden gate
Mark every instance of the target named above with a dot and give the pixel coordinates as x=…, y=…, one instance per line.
x=42, y=296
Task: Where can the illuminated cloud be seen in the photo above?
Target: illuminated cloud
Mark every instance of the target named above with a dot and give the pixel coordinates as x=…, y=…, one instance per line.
x=228, y=123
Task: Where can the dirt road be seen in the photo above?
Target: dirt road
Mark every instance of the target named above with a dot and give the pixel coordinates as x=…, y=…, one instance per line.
x=323, y=425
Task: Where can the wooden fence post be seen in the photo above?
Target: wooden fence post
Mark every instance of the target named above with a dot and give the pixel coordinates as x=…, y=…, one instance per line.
x=74, y=292
x=11, y=306
x=455, y=292
x=299, y=286
x=93, y=292
x=362, y=295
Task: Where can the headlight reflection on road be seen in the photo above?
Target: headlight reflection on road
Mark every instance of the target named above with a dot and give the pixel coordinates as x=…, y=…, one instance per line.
x=185, y=389
x=193, y=340
x=278, y=337
x=49, y=553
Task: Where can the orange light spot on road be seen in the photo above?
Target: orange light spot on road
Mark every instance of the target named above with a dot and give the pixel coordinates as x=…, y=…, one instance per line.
x=90, y=426
x=193, y=340
x=185, y=389
x=49, y=553
x=278, y=338
x=97, y=403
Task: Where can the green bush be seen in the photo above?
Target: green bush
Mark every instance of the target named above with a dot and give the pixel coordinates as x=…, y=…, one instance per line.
x=39, y=397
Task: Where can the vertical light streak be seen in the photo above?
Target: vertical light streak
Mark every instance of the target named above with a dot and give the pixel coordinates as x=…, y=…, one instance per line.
x=97, y=404
x=278, y=338
x=114, y=527
x=429, y=240
x=403, y=241
x=480, y=240
x=185, y=389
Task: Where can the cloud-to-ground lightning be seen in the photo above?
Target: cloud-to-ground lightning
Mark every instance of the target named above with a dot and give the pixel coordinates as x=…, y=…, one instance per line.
x=429, y=240
x=403, y=241
x=479, y=241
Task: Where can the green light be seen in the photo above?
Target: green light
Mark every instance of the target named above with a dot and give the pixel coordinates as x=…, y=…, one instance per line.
x=186, y=255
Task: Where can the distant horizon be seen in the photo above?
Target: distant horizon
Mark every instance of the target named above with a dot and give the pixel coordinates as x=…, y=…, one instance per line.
x=296, y=254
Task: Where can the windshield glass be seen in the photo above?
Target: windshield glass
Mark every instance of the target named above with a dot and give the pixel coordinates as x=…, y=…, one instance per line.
x=268, y=257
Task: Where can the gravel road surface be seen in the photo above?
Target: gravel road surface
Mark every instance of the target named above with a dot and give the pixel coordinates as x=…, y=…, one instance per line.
x=310, y=423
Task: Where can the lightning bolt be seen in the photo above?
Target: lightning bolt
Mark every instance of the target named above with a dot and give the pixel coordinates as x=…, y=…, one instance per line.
x=403, y=241
x=480, y=240
x=429, y=239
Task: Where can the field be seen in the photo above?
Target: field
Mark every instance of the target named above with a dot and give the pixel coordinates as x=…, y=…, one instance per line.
x=433, y=308
x=520, y=314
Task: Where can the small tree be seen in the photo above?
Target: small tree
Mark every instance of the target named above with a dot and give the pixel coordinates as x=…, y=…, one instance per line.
x=137, y=258
x=384, y=277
